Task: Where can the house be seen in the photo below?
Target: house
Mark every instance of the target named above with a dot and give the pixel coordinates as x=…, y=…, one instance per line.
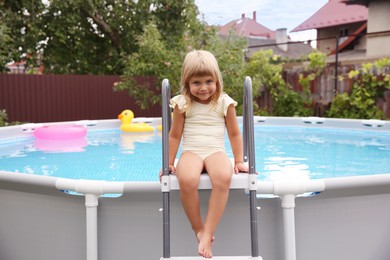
x=262, y=38
x=281, y=45
x=247, y=27
x=16, y=67
x=378, y=26
x=339, y=23
x=361, y=28
x=21, y=67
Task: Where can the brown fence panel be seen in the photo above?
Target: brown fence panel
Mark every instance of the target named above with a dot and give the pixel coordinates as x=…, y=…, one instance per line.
x=52, y=98
x=323, y=87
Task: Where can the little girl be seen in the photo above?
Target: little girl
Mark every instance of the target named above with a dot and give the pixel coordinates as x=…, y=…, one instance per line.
x=200, y=116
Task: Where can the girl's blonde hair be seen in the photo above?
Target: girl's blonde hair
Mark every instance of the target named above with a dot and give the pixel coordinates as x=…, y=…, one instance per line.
x=200, y=63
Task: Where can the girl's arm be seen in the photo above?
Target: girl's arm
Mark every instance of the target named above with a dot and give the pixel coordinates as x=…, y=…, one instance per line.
x=175, y=136
x=235, y=140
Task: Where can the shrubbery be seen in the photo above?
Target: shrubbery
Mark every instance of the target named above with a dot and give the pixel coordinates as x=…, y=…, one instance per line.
x=370, y=82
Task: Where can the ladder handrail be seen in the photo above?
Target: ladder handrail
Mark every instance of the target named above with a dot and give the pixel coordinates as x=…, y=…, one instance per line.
x=249, y=155
x=166, y=124
x=249, y=152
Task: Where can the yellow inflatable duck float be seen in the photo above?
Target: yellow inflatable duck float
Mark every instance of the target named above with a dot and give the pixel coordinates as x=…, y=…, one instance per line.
x=127, y=126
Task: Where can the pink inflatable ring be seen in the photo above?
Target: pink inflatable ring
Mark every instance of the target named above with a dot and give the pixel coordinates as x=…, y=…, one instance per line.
x=60, y=132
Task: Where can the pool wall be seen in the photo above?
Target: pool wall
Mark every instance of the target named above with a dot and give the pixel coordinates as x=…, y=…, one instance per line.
x=40, y=222
x=349, y=219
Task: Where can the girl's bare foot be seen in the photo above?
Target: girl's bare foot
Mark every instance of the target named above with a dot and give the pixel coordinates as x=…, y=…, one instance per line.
x=205, y=243
x=199, y=236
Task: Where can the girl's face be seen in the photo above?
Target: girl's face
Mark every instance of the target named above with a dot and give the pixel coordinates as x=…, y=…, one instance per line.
x=202, y=88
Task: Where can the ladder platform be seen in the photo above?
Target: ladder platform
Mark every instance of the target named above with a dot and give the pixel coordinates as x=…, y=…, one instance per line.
x=239, y=181
x=214, y=257
x=242, y=180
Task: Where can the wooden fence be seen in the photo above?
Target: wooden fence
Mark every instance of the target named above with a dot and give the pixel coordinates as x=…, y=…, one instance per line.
x=324, y=87
x=52, y=98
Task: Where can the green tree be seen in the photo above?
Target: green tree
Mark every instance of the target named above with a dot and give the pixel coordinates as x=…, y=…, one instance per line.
x=19, y=30
x=89, y=37
x=155, y=58
x=230, y=53
x=161, y=59
x=5, y=49
x=266, y=71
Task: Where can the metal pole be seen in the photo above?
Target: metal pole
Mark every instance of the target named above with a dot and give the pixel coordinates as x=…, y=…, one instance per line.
x=166, y=114
x=244, y=125
x=248, y=106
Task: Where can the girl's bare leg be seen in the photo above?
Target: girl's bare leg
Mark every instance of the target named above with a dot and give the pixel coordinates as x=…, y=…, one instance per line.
x=220, y=170
x=188, y=171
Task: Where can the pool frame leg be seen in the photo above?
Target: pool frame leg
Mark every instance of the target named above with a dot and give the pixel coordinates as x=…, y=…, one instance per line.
x=91, y=204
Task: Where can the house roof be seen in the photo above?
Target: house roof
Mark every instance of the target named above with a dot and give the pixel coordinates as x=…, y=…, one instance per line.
x=357, y=2
x=334, y=13
x=247, y=27
x=294, y=50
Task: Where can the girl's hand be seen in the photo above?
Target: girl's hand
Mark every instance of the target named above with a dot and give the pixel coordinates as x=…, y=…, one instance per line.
x=172, y=170
x=240, y=167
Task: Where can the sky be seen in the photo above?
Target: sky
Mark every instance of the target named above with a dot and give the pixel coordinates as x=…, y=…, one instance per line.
x=272, y=14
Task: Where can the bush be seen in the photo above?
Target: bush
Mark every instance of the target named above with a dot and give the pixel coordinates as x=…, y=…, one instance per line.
x=3, y=118
x=265, y=69
x=370, y=82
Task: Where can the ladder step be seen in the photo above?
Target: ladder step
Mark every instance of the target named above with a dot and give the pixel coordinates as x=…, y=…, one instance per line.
x=239, y=181
x=214, y=257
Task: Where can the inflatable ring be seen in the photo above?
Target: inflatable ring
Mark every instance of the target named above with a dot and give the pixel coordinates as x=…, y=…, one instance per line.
x=60, y=132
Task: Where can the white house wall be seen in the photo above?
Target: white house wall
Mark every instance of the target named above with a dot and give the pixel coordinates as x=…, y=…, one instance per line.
x=378, y=21
x=328, y=45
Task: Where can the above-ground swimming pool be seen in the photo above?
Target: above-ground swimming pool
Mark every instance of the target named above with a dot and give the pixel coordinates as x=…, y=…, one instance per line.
x=309, y=152
x=293, y=155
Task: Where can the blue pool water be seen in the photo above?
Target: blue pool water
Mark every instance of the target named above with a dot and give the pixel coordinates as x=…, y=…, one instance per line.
x=281, y=152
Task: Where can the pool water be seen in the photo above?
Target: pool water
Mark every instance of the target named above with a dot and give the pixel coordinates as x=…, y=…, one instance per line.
x=281, y=152
x=317, y=153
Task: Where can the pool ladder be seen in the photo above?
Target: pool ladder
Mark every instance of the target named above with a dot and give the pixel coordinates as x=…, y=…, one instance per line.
x=169, y=182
